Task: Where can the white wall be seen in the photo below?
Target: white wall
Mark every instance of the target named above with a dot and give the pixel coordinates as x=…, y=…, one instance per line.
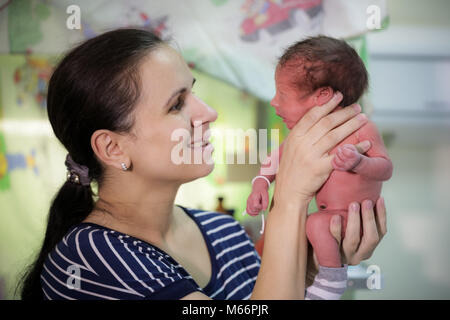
x=414, y=257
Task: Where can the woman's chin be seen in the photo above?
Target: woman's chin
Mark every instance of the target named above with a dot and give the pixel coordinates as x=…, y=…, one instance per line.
x=197, y=171
x=206, y=168
x=209, y=169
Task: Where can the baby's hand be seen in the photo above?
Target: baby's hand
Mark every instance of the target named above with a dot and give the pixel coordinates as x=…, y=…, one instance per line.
x=259, y=198
x=346, y=158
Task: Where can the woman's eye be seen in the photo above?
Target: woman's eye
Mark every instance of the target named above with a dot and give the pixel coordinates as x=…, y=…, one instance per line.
x=178, y=106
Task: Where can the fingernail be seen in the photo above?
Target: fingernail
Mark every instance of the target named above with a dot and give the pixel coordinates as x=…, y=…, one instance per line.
x=365, y=144
x=336, y=219
x=368, y=204
x=354, y=206
x=361, y=117
x=337, y=94
x=357, y=107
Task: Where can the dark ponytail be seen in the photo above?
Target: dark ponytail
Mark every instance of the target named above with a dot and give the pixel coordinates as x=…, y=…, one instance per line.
x=95, y=86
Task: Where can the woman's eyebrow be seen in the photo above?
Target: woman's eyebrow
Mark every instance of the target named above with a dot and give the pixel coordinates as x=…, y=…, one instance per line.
x=181, y=90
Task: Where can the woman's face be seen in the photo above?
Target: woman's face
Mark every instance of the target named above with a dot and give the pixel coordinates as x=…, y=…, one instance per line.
x=290, y=102
x=167, y=109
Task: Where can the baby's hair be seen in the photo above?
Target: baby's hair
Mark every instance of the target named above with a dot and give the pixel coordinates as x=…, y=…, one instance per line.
x=323, y=61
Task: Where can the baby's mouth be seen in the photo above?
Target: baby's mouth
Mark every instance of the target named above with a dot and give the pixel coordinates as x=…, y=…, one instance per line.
x=282, y=118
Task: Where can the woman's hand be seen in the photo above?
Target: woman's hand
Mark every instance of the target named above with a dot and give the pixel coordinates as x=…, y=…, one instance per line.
x=306, y=164
x=355, y=248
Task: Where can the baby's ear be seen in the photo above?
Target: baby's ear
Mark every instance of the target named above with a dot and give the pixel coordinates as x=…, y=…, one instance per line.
x=323, y=95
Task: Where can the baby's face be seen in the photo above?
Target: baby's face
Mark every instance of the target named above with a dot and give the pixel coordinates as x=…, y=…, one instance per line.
x=290, y=102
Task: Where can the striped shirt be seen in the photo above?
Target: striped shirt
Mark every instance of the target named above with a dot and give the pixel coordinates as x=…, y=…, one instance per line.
x=95, y=262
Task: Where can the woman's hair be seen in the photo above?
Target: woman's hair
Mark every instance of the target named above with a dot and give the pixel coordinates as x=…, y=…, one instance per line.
x=322, y=61
x=95, y=86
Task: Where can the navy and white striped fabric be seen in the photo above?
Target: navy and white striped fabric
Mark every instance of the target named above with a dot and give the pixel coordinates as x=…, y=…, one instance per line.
x=94, y=262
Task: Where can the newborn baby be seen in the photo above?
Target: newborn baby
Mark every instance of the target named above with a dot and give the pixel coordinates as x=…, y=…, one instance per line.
x=307, y=75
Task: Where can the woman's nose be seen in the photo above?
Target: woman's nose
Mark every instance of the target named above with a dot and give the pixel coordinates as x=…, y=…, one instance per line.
x=203, y=113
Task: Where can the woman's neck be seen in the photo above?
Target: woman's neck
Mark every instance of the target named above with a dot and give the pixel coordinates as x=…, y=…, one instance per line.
x=135, y=207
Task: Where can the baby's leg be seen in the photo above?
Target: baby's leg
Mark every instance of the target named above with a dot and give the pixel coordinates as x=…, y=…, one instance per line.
x=318, y=231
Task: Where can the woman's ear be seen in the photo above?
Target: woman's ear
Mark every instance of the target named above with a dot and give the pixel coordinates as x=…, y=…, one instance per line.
x=323, y=95
x=107, y=147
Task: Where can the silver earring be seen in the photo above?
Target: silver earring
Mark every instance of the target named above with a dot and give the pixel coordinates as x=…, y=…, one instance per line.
x=124, y=166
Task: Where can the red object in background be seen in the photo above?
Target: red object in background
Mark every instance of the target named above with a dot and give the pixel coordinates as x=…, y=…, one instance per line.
x=17, y=76
x=270, y=14
x=144, y=16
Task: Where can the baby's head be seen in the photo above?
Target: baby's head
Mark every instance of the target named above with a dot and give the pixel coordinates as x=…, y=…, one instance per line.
x=310, y=71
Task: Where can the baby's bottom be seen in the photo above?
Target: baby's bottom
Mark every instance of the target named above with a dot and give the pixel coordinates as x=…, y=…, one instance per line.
x=324, y=244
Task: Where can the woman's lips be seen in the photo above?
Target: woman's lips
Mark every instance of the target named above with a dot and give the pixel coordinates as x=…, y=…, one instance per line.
x=202, y=144
x=199, y=144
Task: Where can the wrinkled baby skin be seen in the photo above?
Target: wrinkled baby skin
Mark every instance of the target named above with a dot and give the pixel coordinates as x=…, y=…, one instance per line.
x=356, y=177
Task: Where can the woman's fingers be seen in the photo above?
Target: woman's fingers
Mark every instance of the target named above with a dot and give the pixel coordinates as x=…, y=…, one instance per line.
x=370, y=237
x=335, y=228
x=354, y=247
x=331, y=121
x=352, y=232
x=381, y=217
x=315, y=114
x=332, y=138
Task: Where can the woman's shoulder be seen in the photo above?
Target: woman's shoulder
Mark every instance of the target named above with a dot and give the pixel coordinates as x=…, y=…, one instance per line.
x=235, y=262
x=214, y=224
x=226, y=236
x=206, y=216
x=108, y=264
x=99, y=243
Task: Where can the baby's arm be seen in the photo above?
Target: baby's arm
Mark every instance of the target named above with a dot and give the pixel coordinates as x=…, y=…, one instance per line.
x=270, y=168
x=374, y=164
x=259, y=197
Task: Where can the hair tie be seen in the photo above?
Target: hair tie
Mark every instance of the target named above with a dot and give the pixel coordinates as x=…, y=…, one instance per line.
x=77, y=173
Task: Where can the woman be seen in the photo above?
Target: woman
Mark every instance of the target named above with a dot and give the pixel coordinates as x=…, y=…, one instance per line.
x=114, y=102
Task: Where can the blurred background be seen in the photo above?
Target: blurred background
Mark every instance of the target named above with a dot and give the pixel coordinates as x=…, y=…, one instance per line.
x=232, y=47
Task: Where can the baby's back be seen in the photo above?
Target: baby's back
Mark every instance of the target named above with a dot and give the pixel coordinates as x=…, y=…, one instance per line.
x=343, y=187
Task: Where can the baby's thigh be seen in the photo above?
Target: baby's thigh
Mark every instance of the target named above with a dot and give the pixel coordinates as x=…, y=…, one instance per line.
x=318, y=223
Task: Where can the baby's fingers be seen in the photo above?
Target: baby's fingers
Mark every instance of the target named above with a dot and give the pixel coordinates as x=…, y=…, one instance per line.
x=257, y=199
x=340, y=154
x=265, y=200
x=349, y=153
x=338, y=164
x=363, y=147
x=252, y=210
